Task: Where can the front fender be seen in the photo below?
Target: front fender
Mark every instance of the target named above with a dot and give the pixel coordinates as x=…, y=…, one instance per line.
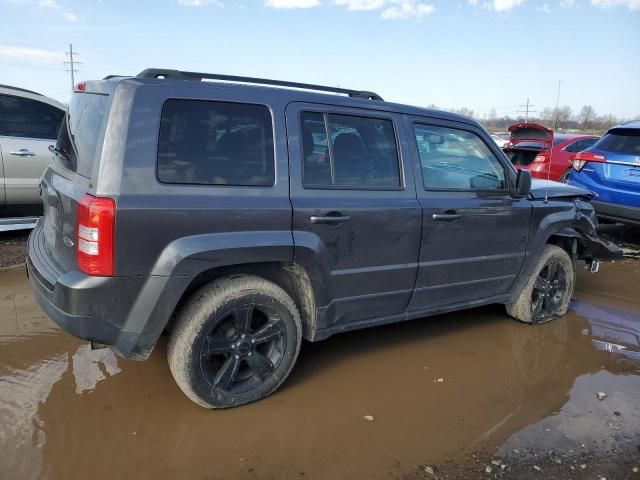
x=574, y=219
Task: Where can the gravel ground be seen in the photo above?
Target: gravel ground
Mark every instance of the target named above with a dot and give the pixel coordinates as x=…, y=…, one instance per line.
x=13, y=248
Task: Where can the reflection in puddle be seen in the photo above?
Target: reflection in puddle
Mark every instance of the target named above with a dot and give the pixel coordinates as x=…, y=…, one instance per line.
x=88, y=367
x=613, y=330
x=22, y=432
x=69, y=412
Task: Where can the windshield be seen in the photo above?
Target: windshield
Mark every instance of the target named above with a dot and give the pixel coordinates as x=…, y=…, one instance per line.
x=80, y=132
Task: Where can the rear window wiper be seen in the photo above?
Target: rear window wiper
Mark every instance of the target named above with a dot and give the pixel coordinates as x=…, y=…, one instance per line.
x=60, y=153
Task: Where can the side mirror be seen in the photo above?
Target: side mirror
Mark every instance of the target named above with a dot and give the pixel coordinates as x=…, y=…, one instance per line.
x=523, y=184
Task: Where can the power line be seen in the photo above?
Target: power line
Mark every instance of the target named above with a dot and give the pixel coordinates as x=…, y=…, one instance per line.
x=527, y=109
x=72, y=66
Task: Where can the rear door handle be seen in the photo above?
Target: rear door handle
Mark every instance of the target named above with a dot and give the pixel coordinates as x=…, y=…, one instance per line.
x=23, y=152
x=329, y=219
x=445, y=217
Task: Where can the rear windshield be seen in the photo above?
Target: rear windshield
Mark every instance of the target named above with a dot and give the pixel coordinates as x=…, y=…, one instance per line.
x=622, y=141
x=81, y=129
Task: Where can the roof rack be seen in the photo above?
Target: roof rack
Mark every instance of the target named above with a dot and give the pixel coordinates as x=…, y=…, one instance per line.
x=180, y=75
x=20, y=89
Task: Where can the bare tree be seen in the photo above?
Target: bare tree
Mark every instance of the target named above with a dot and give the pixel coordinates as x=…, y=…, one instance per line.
x=586, y=116
x=492, y=117
x=464, y=111
x=564, y=116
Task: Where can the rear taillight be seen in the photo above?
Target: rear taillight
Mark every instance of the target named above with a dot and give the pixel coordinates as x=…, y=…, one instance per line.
x=80, y=87
x=582, y=158
x=95, y=227
x=540, y=158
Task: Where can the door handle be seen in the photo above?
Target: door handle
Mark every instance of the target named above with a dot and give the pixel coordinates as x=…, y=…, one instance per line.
x=23, y=152
x=446, y=217
x=329, y=219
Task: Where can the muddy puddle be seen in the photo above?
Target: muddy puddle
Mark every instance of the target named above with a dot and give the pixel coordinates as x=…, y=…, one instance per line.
x=437, y=389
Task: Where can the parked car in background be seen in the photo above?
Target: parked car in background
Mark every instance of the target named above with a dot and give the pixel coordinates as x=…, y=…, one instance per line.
x=29, y=124
x=611, y=169
x=500, y=141
x=545, y=154
x=269, y=215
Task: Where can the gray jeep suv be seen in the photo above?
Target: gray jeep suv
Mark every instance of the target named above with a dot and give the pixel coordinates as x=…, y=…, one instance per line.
x=242, y=215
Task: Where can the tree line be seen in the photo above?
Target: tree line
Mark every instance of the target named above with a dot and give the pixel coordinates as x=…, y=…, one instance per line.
x=561, y=119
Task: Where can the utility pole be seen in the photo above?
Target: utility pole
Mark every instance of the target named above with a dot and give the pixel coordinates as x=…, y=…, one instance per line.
x=527, y=109
x=557, y=113
x=72, y=66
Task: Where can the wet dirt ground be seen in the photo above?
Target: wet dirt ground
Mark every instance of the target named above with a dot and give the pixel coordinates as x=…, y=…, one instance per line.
x=447, y=396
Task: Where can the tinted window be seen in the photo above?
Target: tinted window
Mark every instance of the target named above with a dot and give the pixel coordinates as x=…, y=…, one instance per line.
x=349, y=151
x=215, y=143
x=581, y=145
x=621, y=142
x=457, y=159
x=23, y=117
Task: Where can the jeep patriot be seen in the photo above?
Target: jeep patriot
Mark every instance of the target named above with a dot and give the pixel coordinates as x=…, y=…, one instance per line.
x=243, y=215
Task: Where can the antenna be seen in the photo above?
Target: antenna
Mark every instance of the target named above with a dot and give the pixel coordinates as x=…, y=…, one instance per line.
x=557, y=113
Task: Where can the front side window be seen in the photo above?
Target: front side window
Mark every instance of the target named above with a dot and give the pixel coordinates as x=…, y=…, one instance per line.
x=349, y=151
x=26, y=118
x=453, y=159
x=215, y=143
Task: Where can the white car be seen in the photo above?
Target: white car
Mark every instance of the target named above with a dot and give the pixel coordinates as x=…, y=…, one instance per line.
x=29, y=124
x=501, y=142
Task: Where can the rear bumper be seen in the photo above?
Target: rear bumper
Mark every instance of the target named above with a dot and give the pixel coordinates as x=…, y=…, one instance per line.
x=128, y=314
x=620, y=213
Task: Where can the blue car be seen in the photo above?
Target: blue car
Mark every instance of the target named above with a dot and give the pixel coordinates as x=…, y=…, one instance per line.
x=611, y=170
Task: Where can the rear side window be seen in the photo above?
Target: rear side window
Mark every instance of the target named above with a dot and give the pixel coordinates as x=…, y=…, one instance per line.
x=581, y=145
x=26, y=118
x=215, y=143
x=453, y=159
x=349, y=151
x=625, y=142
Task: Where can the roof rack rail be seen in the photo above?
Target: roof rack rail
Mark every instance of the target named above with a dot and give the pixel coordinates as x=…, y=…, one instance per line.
x=20, y=89
x=180, y=75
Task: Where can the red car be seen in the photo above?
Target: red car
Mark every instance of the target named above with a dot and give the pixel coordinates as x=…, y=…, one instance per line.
x=545, y=154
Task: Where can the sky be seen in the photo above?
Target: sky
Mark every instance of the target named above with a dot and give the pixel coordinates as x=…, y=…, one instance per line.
x=479, y=54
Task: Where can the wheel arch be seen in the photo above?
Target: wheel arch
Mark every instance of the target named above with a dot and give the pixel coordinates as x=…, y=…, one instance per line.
x=289, y=276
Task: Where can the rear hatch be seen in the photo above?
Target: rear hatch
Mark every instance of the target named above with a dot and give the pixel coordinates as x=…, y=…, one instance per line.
x=621, y=150
x=526, y=141
x=68, y=178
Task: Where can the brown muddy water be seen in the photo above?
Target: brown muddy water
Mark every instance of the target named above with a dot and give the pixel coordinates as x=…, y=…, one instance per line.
x=438, y=389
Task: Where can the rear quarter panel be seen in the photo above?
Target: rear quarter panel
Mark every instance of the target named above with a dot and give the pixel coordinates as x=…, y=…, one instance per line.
x=165, y=229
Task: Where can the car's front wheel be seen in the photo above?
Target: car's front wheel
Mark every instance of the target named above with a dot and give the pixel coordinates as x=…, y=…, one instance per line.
x=235, y=341
x=548, y=291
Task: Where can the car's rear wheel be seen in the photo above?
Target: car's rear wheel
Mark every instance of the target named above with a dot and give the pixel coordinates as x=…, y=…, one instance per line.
x=548, y=291
x=235, y=341
x=564, y=178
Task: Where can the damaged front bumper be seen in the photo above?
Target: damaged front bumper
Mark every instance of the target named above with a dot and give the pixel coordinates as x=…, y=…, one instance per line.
x=588, y=245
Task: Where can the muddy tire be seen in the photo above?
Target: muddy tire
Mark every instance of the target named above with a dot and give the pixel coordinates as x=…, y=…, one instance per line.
x=548, y=291
x=235, y=341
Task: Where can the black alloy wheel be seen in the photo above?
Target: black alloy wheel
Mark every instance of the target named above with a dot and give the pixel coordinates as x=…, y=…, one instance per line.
x=243, y=348
x=549, y=291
